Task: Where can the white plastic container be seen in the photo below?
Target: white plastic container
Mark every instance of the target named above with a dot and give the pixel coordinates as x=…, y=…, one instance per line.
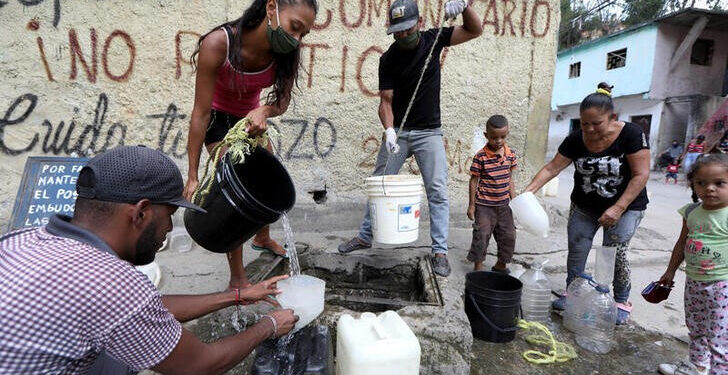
x=381, y=345
x=595, y=331
x=530, y=215
x=394, y=207
x=536, y=294
x=604, y=264
x=305, y=295
x=575, y=294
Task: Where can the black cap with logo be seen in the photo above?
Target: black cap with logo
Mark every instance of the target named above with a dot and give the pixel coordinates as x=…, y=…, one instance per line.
x=403, y=15
x=128, y=174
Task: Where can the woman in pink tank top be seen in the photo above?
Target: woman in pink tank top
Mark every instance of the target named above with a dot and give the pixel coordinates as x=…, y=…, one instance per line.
x=235, y=62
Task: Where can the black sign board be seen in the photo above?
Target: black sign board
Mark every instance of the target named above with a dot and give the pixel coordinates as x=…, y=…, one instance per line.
x=48, y=187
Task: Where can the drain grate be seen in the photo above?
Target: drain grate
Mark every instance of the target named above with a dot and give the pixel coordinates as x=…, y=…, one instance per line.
x=370, y=287
x=363, y=282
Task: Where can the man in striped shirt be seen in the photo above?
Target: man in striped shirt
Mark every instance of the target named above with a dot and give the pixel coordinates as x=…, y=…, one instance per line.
x=491, y=189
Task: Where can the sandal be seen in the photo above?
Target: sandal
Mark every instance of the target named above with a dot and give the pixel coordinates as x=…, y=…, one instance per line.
x=504, y=271
x=623, y=312
x=263, y=248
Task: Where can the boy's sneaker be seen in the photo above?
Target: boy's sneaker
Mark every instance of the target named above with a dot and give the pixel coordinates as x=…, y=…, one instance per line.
x=682, y=368
x=353, y=244
x=559, y=303
x=440, y=266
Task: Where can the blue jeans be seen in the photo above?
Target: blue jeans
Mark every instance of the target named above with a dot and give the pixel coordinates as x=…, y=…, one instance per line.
x=429, y=151
x=581, y=229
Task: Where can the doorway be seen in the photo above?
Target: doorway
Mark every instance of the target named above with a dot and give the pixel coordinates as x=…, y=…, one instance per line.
x=645, y=122
x=574, y=124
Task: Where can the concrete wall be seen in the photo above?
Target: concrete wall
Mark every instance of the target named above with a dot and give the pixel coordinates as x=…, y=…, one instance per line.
x=674, y=124
x=84, y=76
x=633, y=78
x=686, y=78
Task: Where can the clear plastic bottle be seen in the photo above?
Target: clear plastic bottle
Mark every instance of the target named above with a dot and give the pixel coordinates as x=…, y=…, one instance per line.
x=595, y=330
x=536, y=294
x=575, y=294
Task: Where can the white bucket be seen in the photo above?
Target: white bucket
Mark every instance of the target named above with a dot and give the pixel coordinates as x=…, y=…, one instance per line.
x=394, y=208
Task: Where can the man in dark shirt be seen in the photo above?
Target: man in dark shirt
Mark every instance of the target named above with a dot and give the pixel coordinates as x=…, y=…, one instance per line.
x=399, y=72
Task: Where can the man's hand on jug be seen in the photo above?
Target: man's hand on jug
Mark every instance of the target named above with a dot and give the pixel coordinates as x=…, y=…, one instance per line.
x=284, y=321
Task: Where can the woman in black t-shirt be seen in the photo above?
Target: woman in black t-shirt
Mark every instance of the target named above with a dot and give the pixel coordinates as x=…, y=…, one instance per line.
x=611, y=161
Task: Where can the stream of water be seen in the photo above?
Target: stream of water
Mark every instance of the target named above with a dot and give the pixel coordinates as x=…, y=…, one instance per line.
x=290, y=246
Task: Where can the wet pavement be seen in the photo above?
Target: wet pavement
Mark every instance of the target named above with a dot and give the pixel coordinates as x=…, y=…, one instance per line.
x=657, y=334
x=637, y=352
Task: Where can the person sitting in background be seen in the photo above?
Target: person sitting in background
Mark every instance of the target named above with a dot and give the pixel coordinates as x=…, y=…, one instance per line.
x=694, y=149
x=73, y=303
x=673, y=152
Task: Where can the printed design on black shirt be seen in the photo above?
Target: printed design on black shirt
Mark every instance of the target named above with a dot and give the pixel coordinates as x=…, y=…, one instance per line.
x=600, y=174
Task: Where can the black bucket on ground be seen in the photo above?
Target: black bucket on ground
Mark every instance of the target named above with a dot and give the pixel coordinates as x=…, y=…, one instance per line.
x=493, y=304
x=243, y=199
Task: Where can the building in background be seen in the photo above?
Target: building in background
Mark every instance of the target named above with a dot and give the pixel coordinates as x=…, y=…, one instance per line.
x=669, y=75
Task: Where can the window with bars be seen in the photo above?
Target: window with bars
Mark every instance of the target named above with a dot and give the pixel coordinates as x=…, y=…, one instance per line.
x=702, y=53
x=575, y=70
x=617, y=59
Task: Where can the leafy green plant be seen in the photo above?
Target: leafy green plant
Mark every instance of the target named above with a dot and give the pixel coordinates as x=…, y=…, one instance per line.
x=237, y=143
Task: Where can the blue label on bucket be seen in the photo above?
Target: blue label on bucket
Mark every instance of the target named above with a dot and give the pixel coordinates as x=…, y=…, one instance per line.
x=408, y=218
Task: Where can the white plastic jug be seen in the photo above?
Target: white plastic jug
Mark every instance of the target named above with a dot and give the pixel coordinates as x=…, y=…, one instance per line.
x=529, y=213
x=382, y=345
x=575, y=293
x=595, y=330
x=394, y=208
x=536, y=294
x=305, y=295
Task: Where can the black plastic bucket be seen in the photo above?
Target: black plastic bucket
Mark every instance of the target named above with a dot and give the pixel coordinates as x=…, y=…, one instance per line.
x=493, y=304
x=243, y=199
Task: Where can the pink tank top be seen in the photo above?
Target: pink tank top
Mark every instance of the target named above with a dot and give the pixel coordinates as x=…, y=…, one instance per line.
x=236, y=92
